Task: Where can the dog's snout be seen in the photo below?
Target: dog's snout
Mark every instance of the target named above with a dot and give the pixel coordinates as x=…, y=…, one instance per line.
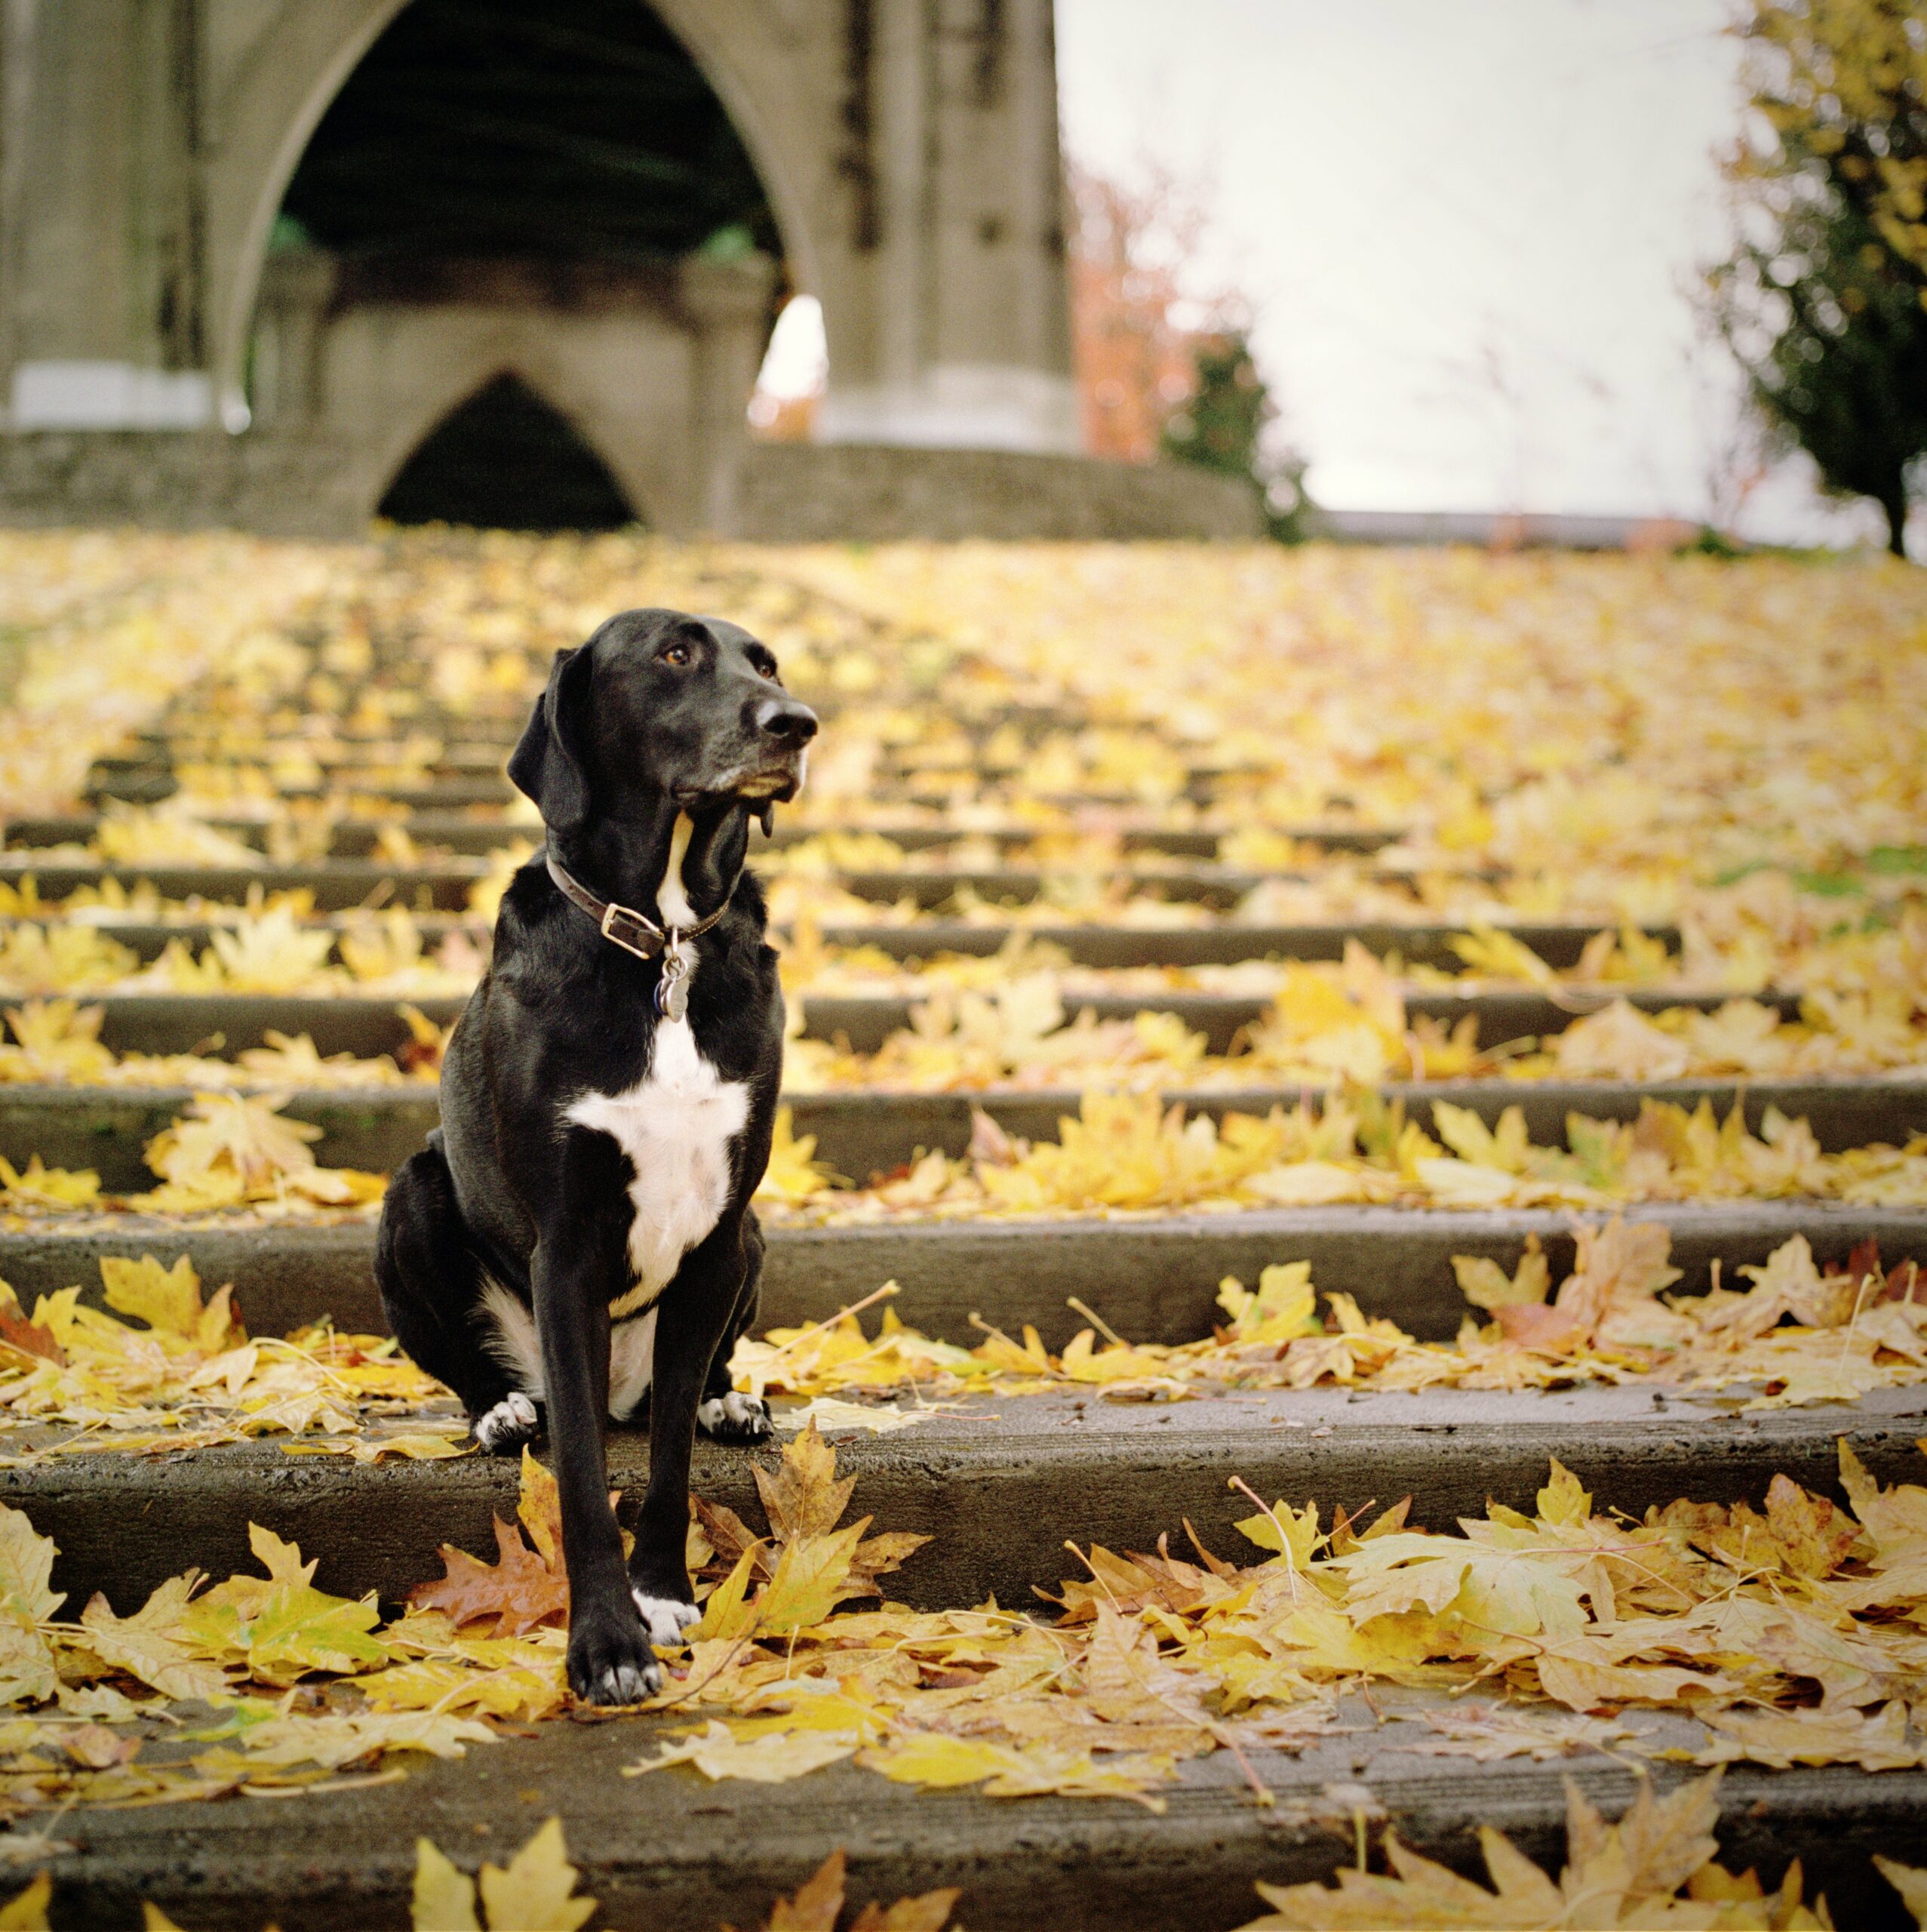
x=787, y=722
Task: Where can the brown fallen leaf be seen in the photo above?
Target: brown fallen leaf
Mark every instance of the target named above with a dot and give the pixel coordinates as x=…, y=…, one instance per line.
x=519, y=1590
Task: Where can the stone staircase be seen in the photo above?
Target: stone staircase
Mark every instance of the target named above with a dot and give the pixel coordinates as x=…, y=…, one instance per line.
x=998, y=1486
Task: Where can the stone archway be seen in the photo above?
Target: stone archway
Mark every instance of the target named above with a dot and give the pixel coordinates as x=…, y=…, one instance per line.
x=274, y=89
x=504, y=459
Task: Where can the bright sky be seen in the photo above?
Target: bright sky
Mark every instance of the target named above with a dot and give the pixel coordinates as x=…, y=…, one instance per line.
x=1471, y=228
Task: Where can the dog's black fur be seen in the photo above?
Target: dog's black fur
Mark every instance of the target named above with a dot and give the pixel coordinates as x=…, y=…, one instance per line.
x=658, y=715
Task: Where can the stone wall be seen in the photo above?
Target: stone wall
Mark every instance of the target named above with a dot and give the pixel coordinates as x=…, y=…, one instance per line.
x=800, y=493
x=308, y=486
x=182, y=479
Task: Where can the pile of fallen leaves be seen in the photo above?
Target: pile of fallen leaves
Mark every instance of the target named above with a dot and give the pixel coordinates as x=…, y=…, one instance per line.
x=1780, y=1636
x=1656, y=1866
x=536, y=1892
x=57, y=1042
x=76, y=1380
x=1124, y=1153
x=1609, y=1322
x=1732, y=1616
x=229, y=1153
x=1319, y=1032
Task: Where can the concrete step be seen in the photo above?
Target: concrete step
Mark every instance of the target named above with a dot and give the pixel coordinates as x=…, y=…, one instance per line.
x=860, y=1133
x=364, y=1025
x=148, y=939
x=345, y=881
x=1096, y=944
x=997, y=1482
x=337, y=885
x=1224, y=942
x=676, y=1854
x=231, y=1023
x=1153, y=1277
x=438, y=817
x=865, y=1021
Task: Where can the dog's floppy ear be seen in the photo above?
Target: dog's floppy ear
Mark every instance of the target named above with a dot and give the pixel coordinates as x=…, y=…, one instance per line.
x=547, y=764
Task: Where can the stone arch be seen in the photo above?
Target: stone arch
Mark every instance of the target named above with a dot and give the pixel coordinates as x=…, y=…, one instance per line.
x=457, y=473
x=275, y=91
x=432, y=365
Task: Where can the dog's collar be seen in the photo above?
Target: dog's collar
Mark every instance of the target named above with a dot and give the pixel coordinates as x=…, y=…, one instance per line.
x=620, y=926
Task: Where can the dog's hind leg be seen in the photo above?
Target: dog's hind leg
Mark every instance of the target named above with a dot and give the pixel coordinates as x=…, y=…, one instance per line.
x=439, y=1303
x=723, y=1413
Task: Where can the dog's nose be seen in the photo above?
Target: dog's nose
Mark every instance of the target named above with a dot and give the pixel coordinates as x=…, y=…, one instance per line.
x=787, y=722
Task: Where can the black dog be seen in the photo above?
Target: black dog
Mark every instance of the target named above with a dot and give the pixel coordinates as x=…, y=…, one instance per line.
x=578, y=1233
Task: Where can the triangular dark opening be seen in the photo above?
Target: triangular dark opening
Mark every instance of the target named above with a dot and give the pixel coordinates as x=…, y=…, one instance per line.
x=505, y=459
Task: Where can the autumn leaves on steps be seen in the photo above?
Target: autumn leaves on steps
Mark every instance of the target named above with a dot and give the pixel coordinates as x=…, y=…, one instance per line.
x=1735, y=1618
x=1650, y=773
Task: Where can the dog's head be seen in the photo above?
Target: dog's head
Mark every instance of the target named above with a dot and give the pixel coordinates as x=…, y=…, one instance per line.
x=658, y=705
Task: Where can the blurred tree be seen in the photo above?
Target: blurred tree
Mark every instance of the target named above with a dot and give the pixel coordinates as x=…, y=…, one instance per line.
x=1824, y=300
x=1134, y=327
x=1221, y=427
x=1161, y=371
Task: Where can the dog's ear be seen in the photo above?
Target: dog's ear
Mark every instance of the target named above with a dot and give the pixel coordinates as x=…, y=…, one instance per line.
x=547, y=764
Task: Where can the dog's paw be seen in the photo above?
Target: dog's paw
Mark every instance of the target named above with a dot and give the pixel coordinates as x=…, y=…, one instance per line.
x=609, y=1660
x=503, y=1430
x=734, y=1418
x=665, y=1618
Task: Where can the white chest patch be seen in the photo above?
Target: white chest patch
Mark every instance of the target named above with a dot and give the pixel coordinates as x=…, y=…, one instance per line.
x=677, y=1126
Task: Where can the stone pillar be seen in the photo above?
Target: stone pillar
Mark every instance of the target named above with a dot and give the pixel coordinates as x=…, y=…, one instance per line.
x=102, y=181
x=726, y=306
x=297, y=284
x=959, y=331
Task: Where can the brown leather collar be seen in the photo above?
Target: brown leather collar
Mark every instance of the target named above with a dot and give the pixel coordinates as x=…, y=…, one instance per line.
x=621, y=927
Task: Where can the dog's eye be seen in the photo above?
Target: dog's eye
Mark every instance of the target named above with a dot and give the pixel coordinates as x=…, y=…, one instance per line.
x=767, y=668
x=674, y=653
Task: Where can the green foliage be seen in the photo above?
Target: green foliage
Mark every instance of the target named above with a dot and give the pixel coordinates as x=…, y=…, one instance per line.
x=1824, y=300
x=1221, y=428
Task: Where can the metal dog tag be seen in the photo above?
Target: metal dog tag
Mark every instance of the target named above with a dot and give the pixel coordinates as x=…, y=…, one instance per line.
x=672, y=989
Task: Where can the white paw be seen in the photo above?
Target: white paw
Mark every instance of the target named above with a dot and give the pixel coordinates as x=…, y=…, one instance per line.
x=508, y=1425
x=664, y=1618
x=734, y=1418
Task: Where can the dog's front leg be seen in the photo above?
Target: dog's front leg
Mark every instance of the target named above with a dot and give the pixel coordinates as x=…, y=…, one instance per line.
x=577, y=1264
x=693, y=1313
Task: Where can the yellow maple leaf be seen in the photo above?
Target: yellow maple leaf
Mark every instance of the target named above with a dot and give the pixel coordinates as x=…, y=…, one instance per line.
x=40, y=1186
x=941, y=1762
x=536, y=1892
x=1485, y=1284
x=802, y=1496
x=1875, y=1741
x=26, y=1568
x=155, y=1644
x=766, y=1757
x=444, y=1899
x=1910, y=1881
x=794, y=1174
x=1563, y=1499
x=812, y=1576
x=169, y=1300
x=26, y=1910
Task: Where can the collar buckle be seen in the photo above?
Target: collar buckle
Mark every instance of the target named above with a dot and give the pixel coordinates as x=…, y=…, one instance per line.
x=630, y=930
